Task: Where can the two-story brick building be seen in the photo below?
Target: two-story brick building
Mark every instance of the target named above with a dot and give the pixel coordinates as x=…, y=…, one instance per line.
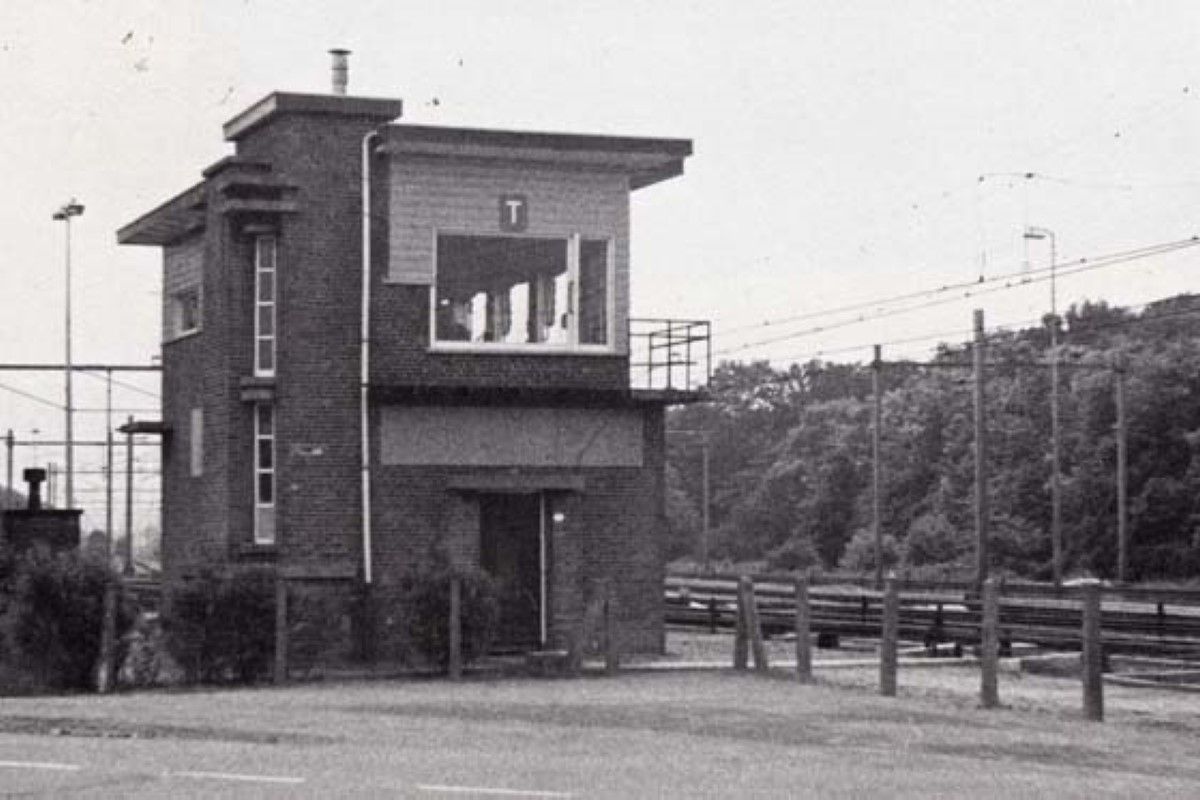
x=380, y=338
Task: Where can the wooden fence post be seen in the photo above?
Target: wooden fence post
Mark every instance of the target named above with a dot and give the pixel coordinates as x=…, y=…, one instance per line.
x=281, y=630
x=989, y=645
x=1092, y=657
x=612, y=651
x=741, y=644
x=455, y=632
x=889, y=634
x=803, y=631
x=754, y=626
x=105, y=668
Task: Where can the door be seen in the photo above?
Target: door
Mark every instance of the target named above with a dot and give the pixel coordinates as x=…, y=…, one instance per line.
x=513, y=552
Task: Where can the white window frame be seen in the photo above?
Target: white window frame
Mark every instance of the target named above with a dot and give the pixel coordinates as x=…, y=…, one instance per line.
x=177, y=310
x=196, y=442
x=264, y=537
x=571, y=347
x=260, y=304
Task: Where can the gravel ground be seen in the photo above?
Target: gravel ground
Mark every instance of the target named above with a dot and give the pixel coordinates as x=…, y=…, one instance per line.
x=955, y=682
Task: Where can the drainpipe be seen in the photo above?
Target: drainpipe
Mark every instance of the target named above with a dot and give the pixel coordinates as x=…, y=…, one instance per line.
x=365, y=343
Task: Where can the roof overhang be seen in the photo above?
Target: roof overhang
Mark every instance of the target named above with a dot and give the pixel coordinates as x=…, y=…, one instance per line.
x=644, y=160
x=276, y=104
x=175, y=219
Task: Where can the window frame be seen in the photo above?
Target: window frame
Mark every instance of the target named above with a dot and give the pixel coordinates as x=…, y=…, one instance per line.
x=196, y=442
x=260, y=304
x=262, y=537
x=178, y=311
x=574, y=242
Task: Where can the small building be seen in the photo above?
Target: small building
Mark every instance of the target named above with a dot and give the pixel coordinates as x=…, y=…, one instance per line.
x=383, y=339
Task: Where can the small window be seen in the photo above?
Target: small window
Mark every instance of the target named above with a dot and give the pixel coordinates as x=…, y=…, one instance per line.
x=264, y=474
x=265, y=293
x=196, y=434
x=187, y=310
x=522, y=291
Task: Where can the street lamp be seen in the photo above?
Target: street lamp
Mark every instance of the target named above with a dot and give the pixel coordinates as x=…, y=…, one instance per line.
x=64, y=214
x=1036, y=233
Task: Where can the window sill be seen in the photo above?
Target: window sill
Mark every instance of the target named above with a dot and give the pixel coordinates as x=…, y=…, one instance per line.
x=253, y=550
x=185, y=335
x=476, y=348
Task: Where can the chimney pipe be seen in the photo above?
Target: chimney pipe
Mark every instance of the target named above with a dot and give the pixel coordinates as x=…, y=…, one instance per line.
x=341, y=70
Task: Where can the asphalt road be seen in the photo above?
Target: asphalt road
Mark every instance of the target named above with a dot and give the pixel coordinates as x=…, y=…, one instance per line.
x=672, y=735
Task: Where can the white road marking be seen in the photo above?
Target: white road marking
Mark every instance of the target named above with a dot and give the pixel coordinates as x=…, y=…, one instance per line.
x=234, y=776
x=41, y=765
x=490, y=791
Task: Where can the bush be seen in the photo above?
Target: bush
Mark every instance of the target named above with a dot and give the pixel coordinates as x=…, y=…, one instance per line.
x=54, y=615
x=222, y=630
x=794, y=554
x=860, y=552
x=423, y=611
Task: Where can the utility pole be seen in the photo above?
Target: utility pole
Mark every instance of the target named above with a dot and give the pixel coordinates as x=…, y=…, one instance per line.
x=108, y=474
x=128, y=570
x=981, y=504
x=877, y=416
x=65, y=214
x=9, y=443
x=704, y=532
x=1120, y=368
x=1056, y=541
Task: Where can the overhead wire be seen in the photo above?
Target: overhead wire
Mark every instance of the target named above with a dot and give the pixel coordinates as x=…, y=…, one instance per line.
x=935, y=290
x=123, y=384
x=31, y=396
x=1025, y=279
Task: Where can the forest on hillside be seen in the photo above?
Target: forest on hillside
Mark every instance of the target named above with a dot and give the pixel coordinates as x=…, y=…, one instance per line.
x=790, y=455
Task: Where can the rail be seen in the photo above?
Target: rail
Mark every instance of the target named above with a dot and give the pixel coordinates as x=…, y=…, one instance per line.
x=1133, y=620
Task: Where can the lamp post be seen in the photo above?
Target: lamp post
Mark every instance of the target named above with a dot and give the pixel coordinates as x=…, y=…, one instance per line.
x=1037, y=233
x=64, y=214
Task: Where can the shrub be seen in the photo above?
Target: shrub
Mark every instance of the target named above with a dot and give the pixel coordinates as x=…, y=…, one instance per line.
x=222, y=630
x=423, y=610
x=860, y=552
x=318, y=624
x=54, y=615
x=794, y=554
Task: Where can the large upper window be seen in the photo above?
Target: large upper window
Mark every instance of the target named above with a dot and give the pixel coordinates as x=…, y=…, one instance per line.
x=523, y=291
x=264, y=305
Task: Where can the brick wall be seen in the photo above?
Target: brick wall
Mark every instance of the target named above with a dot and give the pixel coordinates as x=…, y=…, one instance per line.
x=611, y=528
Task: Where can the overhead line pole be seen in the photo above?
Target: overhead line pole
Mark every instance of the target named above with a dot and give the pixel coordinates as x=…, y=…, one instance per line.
x=108, y=473
x=1120, y=369
x=128, y=569
x=981, y=504
x=8, y=483
x=876, y=419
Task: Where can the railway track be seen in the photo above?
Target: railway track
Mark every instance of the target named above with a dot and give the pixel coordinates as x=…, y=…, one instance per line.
x=1164, y=623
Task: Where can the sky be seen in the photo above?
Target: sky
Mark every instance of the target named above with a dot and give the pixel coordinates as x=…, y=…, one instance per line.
x=845, y=152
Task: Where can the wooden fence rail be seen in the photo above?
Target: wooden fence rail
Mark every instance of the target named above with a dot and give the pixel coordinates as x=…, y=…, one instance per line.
x=1142, y=621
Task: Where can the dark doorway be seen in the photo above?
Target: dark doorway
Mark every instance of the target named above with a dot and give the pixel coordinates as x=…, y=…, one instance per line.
x=513, y=552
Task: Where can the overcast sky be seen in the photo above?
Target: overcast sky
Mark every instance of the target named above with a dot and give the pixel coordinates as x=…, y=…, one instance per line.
x=839, y=146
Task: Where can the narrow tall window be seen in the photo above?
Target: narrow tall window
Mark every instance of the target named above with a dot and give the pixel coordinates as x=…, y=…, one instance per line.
x=197, y=442
x=264, y=473
x=265, y=290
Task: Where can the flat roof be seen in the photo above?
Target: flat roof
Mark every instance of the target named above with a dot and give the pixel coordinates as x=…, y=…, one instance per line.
x=646, y=160
x=278, y=103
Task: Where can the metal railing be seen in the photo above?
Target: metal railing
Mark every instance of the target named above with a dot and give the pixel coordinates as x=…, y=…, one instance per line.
x=670, y=354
